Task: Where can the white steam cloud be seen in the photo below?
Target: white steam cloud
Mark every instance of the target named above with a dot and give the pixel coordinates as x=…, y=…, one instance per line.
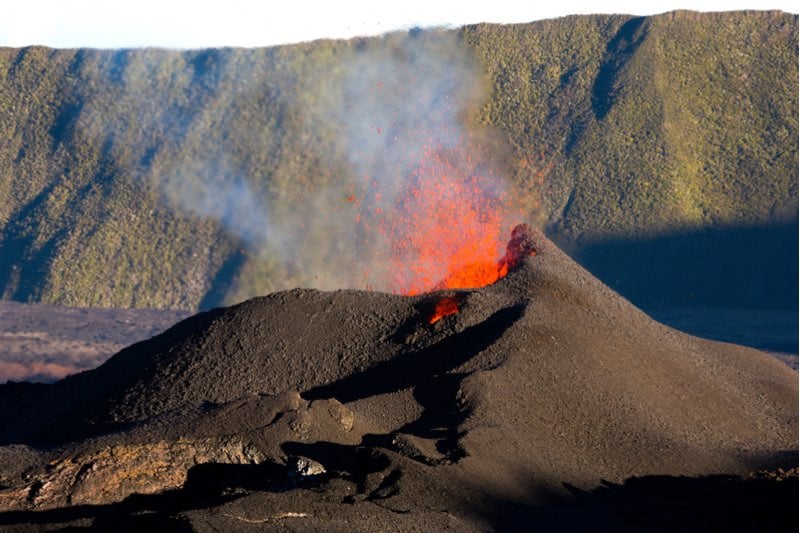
x=212, y=189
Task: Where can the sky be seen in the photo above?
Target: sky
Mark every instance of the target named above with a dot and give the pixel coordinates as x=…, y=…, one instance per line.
x=251, y=23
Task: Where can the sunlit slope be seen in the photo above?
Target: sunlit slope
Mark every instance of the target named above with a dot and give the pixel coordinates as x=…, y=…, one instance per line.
x=647, y=125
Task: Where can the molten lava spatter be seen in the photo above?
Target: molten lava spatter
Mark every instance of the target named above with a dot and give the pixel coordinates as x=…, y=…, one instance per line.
x=480, y=274
x=518, y=248
x=474, y=275
x=449, y=228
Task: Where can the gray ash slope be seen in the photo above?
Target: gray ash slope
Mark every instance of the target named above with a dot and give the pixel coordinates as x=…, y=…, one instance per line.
x=545, y=380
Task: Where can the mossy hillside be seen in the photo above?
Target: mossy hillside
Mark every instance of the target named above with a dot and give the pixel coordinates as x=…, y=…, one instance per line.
x=646, y=125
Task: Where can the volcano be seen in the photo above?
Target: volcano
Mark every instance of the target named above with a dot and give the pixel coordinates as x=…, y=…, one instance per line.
x=546, y=401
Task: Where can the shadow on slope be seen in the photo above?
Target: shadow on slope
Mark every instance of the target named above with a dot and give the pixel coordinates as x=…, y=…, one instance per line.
x=746, y=268
x=668, y=503
x=618, y=52
x=411, y=368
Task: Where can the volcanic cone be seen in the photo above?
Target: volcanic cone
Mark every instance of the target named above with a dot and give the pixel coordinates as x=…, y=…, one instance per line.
x=350, y=410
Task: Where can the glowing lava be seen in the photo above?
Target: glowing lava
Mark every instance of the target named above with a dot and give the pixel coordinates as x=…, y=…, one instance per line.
x=444, y=307
x=474, y=275
x=518, y=248
x=449, y=228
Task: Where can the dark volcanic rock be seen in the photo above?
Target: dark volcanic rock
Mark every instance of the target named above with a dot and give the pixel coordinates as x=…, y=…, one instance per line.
x=541, y=386
x=521, y=245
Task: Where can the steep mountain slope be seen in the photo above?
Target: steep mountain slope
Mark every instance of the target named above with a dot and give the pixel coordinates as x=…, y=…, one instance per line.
x=652, y=124
x=150, y=177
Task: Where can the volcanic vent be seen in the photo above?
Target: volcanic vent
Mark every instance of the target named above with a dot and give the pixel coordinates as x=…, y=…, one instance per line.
x=480, y=274
x=347, y=410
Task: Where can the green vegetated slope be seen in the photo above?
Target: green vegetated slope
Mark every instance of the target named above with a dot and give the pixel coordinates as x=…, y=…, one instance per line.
x=641, y=125
x=112, y=162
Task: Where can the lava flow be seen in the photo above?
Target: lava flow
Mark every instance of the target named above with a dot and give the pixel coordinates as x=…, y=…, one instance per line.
x=444, y=307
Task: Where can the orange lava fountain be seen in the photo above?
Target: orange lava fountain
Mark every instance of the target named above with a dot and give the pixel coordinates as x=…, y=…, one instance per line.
x=448, y=230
